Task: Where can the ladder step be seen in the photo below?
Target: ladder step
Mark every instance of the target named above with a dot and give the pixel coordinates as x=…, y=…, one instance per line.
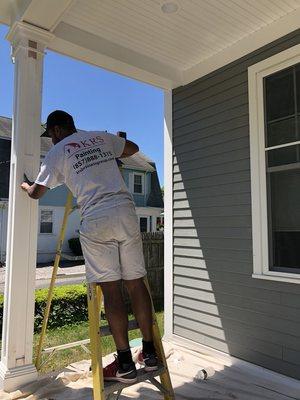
x=132, y=325
x=66, y=346
x=142, y=376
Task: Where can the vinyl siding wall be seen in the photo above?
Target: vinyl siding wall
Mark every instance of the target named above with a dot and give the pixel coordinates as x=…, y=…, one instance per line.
x=216, y=301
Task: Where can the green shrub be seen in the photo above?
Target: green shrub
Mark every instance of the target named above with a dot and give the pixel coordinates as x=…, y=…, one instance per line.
x=69, y=305
x=75, y=246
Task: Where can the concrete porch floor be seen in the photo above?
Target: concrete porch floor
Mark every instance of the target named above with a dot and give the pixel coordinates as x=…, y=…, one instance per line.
x=228, y=382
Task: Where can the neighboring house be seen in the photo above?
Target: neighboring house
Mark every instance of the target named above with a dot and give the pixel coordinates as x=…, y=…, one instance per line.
x=140, y=176
x=139, y=173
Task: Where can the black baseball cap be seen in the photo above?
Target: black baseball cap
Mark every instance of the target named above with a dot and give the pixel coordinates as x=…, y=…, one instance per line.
x=60, y=118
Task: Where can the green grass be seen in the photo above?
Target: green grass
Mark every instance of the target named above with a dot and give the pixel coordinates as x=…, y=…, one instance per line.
x=73, y=333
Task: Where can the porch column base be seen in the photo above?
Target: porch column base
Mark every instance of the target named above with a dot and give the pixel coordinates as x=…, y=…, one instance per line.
x=12, y=379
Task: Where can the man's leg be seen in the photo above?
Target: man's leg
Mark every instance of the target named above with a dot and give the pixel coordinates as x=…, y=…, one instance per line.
x=116, y=313
x=141, y=306
x=122, y=369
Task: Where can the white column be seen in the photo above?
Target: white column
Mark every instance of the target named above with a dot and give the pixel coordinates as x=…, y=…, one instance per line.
x=16, y=368
x=168, y=214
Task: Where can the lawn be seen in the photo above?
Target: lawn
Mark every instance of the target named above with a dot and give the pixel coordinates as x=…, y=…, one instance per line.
x=73, y=333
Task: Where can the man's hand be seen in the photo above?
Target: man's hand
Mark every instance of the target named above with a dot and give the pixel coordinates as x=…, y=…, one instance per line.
x=35, y=191
x=25, y=186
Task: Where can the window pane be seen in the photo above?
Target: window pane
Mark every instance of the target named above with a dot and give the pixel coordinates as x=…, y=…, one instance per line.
x=46, y=221
x=46, y=227
x=46, y=216
x=138, y=179
x=280, y=95
x=284, y=218
x=143, y=224
x=138, y=189
x=281, y=132
x=283, y=156
x=138, y=184
x=5, y=146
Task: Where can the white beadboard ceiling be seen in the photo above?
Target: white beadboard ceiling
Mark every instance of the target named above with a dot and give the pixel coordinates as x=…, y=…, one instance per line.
x=135, y=38
x=198, y=30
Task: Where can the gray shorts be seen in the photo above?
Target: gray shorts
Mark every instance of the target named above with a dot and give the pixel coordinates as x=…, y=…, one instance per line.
x=112, y=245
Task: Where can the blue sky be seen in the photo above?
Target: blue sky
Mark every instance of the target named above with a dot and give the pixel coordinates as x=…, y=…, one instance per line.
x=97, y=99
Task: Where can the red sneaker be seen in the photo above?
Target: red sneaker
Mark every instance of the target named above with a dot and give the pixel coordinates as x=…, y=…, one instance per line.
x=115, y=372
x=148, y=361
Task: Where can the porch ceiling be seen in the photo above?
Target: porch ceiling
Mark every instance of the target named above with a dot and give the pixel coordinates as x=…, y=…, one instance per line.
x=136, y=38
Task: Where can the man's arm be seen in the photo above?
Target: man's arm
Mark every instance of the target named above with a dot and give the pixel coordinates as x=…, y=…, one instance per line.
x=35, y=191
x=129, y=149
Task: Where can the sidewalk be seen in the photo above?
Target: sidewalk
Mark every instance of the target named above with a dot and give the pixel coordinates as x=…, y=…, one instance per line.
x=73, y=274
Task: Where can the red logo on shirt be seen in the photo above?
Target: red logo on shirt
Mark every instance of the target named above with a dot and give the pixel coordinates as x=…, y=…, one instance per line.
x=70, y=148
x=73, y=147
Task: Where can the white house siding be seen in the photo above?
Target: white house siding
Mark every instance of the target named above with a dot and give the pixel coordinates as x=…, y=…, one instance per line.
x=46, y=246
x=47, y=242
x=216, y=301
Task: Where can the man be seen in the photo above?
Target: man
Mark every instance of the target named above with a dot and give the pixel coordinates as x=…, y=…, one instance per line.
x=109, y=230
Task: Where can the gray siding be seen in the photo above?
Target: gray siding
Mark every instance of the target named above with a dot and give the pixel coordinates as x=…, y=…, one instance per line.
x=216, y=301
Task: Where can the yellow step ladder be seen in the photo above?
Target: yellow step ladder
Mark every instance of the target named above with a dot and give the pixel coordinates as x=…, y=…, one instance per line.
x=103, y=390
x=113, y=390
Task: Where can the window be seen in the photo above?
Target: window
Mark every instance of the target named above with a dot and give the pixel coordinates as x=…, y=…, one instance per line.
x=144, y=224
x=274, y=103
x=282, y=137
x=46, y=222
x=138, y=183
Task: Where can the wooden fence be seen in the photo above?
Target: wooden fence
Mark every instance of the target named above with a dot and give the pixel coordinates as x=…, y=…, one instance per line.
x=153, y=248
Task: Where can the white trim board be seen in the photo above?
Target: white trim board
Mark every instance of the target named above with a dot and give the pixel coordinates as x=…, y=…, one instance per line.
x=168, y=213
x=278, y=382
x=98, y=51
x=256, y=74
x=150, y=211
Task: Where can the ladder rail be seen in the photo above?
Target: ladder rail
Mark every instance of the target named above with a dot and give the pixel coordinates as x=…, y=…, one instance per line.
x=68, y=209
x=94, y=301
x=165, y=375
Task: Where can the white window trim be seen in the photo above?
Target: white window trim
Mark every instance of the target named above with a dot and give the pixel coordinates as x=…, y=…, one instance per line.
x=256, y=74
x=40, y=221
x=143, y=183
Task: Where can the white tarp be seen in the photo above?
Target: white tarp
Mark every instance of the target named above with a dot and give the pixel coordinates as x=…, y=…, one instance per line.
x=228, y=382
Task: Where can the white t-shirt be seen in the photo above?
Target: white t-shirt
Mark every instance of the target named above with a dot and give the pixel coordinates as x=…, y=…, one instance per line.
x=86, y=163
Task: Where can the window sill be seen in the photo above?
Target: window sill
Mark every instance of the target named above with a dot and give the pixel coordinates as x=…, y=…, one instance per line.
x=278, y=276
